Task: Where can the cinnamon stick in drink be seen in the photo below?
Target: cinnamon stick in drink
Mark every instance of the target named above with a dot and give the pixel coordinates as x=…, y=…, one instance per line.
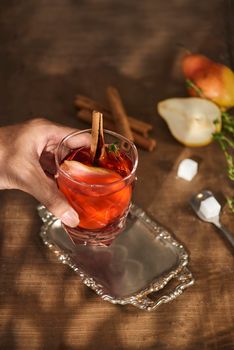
x=97, y=137
x=146, y=143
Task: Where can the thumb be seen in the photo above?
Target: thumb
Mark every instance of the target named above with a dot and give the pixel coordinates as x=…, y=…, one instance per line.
x=49, y=195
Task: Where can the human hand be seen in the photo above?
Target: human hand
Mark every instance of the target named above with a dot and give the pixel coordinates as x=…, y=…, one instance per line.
x=27, y=155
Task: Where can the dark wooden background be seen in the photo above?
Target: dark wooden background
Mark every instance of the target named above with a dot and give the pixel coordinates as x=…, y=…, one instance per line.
x=50, y=51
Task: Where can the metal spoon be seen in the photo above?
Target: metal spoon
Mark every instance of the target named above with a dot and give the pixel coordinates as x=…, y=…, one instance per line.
x=195, y=203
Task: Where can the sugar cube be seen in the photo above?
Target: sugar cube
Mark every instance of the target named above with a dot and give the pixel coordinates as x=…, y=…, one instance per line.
x=187, y=169
x=210, y=207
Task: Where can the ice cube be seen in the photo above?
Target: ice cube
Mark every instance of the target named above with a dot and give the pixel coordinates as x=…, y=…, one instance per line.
x=210, y=207
x=187, y=169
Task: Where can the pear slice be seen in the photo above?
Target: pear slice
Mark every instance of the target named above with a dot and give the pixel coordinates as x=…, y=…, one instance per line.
x=191, y=120
x=89, y=174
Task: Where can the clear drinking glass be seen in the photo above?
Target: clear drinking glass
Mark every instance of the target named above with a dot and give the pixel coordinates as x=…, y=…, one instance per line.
x=102, y=196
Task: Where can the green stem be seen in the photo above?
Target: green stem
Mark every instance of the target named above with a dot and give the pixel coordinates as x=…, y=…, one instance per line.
x=190, y=84
x=225, y=139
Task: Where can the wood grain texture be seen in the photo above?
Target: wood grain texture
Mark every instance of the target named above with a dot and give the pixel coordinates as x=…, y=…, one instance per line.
x=53, y=50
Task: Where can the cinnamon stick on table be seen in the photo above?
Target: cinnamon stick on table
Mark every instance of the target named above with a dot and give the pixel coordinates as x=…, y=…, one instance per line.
x=118, y=111
x=147, y=144
x=84, y=102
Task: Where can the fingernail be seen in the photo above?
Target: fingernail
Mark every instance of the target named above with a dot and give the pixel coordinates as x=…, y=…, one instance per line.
x=70, y=218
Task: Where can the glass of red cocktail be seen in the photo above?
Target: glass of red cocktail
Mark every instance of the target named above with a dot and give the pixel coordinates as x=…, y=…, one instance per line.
x=100, y=193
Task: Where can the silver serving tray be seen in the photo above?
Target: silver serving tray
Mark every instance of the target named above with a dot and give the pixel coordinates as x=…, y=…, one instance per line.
x=141, y=261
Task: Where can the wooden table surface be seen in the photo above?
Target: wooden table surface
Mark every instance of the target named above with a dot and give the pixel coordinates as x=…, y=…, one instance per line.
x=50, y=51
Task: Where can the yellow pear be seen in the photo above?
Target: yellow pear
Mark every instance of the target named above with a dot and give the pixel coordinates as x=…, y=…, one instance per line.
x=191, y=120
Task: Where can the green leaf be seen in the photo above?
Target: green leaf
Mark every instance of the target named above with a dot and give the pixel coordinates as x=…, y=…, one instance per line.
x=230, y=202
x=113, y=148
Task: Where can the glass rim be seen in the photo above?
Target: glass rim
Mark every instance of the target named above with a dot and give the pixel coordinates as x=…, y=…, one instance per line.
x=106, y=185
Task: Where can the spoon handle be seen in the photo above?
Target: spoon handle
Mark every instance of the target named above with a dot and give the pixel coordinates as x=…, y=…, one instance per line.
x=227, y=234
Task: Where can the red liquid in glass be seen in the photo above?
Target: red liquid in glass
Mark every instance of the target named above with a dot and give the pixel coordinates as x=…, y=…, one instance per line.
x=98, y=206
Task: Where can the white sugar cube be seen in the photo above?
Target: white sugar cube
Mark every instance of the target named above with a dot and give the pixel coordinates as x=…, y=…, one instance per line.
x=187, y=169
x=210, y=207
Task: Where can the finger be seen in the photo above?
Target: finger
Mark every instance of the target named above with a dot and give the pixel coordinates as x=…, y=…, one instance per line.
x=59, y=132
x=78, y=140
x=49, y=195
x=47, y=158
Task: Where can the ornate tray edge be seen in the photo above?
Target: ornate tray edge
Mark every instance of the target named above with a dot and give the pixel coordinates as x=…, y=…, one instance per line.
x=139, y=299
